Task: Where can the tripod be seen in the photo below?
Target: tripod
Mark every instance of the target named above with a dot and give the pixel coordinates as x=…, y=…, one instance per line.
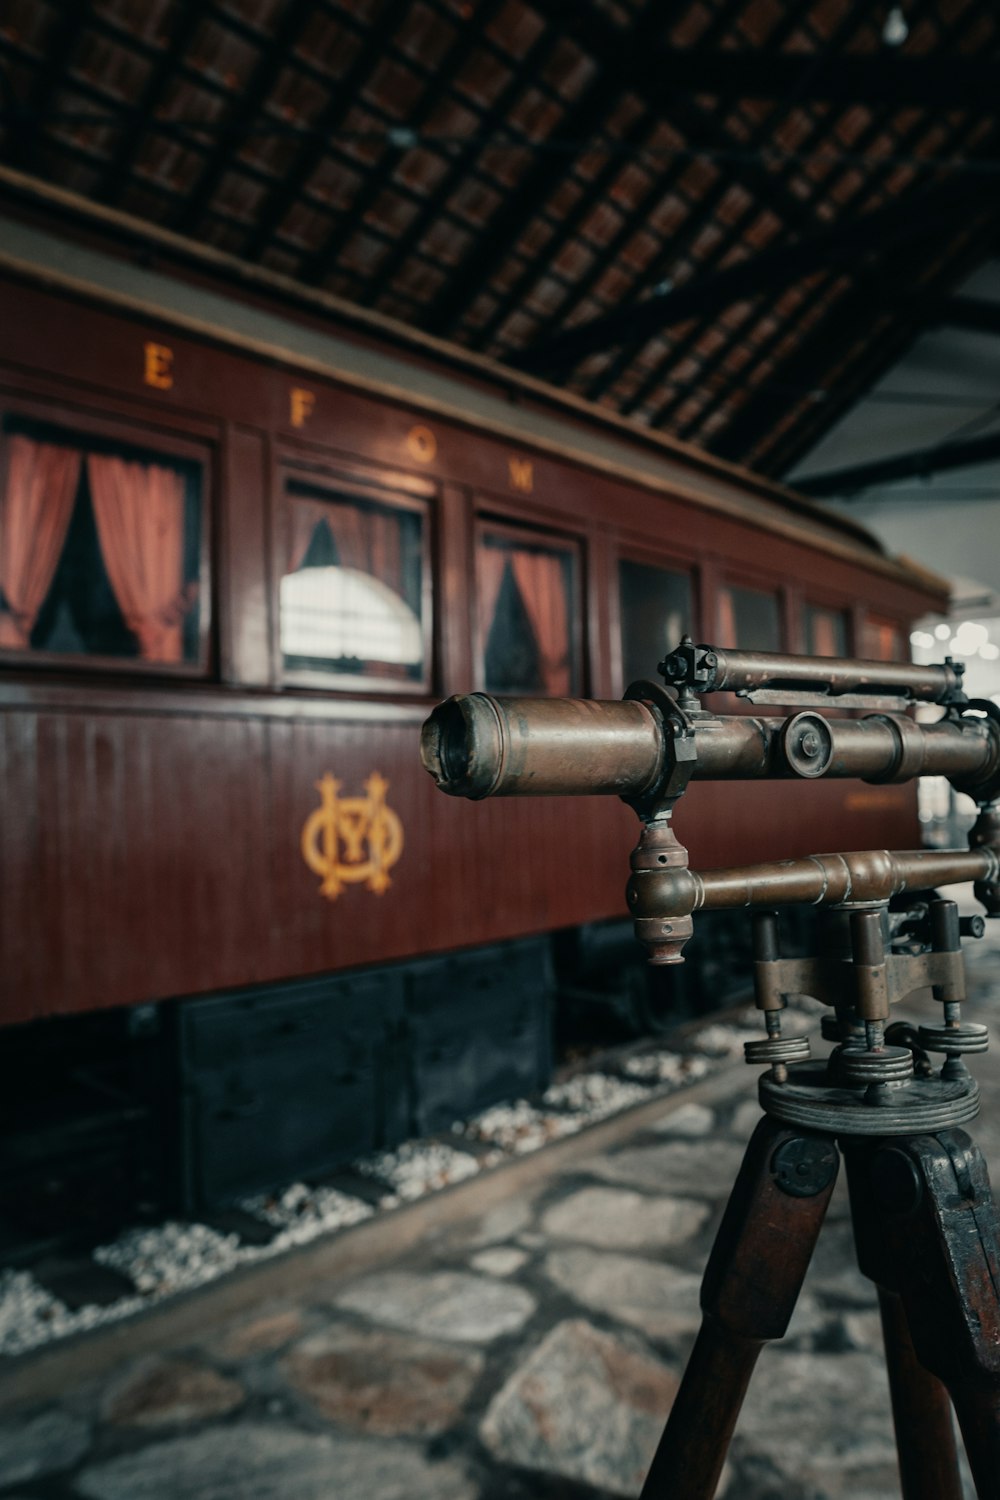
x=925, y=1224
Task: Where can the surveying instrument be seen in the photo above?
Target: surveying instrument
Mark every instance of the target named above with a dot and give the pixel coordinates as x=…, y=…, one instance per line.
x=925, y=1224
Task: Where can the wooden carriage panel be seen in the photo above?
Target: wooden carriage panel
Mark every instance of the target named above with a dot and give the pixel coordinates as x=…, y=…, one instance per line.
x=110, y=352
x=148, y=856
x=165, y=839
x=245, y=620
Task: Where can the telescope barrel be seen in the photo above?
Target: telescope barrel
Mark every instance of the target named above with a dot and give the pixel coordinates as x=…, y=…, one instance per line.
x=480, y=746
x=477, y=746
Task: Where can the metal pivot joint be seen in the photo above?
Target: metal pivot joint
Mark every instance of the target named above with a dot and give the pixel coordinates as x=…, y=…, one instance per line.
x=870, y=1084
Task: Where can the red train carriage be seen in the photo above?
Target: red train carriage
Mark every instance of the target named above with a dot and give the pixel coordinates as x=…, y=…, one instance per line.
x=236, y=570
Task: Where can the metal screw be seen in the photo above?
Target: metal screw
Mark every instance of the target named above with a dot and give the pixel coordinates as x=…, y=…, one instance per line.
x=804, y=1166
x=874, y=1035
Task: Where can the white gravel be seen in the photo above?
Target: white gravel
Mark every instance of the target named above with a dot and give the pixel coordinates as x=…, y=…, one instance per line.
x=418, y=1167
x=176, y=1256
x=595, y=1095
x=519, y=1128
x=171, y=1257
x=30, y=1316
x=667, y=1067
x=301, y=1213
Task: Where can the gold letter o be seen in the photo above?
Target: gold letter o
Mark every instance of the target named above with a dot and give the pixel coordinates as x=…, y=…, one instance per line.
x=421, y=444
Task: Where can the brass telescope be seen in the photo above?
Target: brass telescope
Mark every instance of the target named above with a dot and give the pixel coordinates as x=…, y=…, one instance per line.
x=647, y=747
x=480, y=746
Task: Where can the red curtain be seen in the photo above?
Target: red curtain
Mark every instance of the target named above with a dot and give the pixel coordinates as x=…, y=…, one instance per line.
x=882, y=641
x=35, y=510
x=490, y=565
x=139, y=510
x=368, y=540
x=384, y=549
x=541, y=580
x=346, y=527
x=727, y=618
x=824, y=634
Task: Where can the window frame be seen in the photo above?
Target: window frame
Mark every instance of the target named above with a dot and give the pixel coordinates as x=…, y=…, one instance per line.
x=752, y=582
x=902, y=629
x=815, y=599
x=135, y=433
x=516, y=530
x=646, y=557
x=348, y=483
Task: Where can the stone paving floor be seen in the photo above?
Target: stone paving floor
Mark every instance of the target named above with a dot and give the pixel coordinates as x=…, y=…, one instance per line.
x=527, y=1350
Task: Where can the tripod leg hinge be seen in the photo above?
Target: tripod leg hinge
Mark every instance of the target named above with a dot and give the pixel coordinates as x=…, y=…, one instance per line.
x=804, y=1165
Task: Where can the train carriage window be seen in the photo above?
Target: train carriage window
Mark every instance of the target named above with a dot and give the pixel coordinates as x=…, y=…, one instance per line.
x=352, y=598
x=826, y=631
x=528, y=617
x=100, y=547
x=882, y=640
x=749, y=619
x=656, y=610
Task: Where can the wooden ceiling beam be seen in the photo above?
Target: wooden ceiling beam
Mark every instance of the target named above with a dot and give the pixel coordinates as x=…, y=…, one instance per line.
x=584, y=121
x=591, y=194
x=973, y=313
x=772, y=191
x=130, y=142
x=246, y=107
x=343, y=96
x=907, y=218
x=30, y=116
x=854, y=16
x=883, y=78
x=622, y=55
x=850, y=349
x=769, y=193
x=920, y=463
x=599, y=186
x=466, y=40
x=874, y=182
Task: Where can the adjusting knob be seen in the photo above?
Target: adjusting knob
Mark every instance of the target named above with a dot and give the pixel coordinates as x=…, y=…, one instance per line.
x=777, y=1049
x=886, y=1065
x=970, y=1036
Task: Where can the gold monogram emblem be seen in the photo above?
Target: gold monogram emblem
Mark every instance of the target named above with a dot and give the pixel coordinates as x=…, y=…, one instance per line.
x=354, y=823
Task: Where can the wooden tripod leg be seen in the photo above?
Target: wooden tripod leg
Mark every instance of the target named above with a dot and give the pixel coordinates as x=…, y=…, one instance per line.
x=921, y=1410
x=921, y=1414
x=933, y=1209
x=748, y=1294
